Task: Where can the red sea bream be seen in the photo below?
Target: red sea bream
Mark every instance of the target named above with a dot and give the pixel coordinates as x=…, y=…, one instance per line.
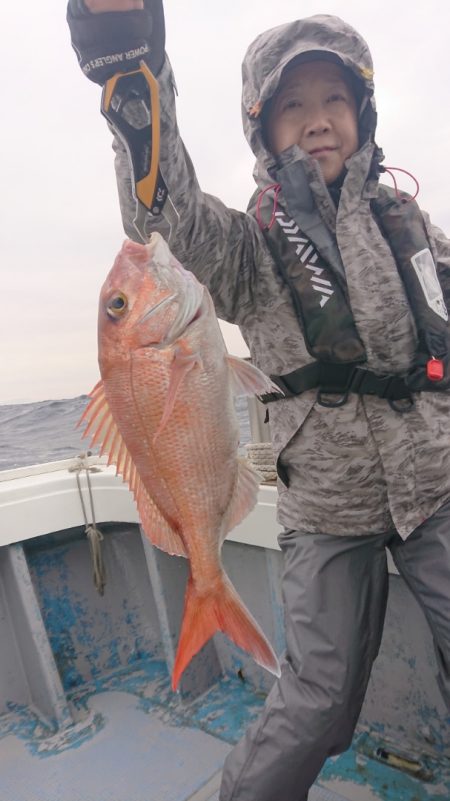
x=164, y=413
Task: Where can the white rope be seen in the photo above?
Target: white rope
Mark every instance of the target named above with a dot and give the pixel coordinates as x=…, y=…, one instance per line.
x=261, y=456
x=93, y=534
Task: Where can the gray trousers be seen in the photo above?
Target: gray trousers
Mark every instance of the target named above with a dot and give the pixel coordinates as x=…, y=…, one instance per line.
x=335, y=592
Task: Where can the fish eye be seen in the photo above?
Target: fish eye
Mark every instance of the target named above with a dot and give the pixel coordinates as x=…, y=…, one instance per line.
x=117, y=305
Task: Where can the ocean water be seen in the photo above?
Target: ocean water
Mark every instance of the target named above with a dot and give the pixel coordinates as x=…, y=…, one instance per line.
x=46, y=431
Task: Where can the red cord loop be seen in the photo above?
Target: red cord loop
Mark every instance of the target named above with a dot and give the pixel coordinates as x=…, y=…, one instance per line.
x=261, y=223
x=277, y=189
x=400, y=169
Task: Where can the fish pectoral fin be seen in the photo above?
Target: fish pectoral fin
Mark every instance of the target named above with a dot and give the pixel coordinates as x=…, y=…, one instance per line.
x=155, y=526
x=245, y=493
x=246, y=379
x=220, y=610
x=105, y=433
x=183, y=362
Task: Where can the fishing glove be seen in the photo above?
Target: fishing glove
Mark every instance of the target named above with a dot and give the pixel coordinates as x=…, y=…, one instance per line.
x=116, y=41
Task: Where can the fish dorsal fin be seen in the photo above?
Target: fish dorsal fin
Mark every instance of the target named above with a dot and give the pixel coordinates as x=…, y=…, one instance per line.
x=103, y=431
x=182, y=364
x=246, y=379
x=245, y=494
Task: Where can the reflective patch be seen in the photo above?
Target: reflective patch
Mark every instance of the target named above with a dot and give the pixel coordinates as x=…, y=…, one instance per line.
x=425, y=268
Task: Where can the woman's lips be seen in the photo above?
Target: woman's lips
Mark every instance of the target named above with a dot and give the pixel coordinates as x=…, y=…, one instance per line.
x=319, y=150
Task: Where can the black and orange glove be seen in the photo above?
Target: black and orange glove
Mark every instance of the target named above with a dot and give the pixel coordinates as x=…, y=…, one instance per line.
x=108, y=42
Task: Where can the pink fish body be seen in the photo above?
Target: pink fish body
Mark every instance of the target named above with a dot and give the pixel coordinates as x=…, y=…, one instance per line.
x=164, y=413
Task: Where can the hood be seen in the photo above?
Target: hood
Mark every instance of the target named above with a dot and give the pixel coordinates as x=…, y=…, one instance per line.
x=272, y=51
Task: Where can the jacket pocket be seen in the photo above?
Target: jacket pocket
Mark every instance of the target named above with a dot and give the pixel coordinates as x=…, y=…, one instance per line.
x=287, y=420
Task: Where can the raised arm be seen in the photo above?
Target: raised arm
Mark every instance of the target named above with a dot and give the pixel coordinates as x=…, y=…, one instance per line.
x=220, y=245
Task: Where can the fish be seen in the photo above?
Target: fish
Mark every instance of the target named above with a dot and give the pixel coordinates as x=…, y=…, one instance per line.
x=163, y=413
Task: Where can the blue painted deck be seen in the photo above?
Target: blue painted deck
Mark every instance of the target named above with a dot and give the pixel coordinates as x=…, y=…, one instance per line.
x=135, y=740
x=134, y=756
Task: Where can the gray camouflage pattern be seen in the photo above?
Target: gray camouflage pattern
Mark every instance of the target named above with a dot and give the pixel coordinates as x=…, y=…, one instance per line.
x=361, y=468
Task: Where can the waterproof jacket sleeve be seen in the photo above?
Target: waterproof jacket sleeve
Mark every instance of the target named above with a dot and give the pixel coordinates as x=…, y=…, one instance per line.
x=220, y=245
x=441, y=245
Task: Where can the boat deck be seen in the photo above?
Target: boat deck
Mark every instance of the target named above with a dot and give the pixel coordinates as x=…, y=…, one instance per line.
x=125, y=749
x=86, y=709
x=135, y=740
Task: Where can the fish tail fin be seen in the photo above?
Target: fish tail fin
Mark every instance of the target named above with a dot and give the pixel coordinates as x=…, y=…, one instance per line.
x=221, y=610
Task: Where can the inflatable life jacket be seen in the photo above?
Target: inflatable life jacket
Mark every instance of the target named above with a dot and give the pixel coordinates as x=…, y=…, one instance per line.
x=326, y=319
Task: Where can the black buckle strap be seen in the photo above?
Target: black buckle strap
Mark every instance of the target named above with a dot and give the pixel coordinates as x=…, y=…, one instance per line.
x=294, y=383
x=364, y=382
x=339, y=379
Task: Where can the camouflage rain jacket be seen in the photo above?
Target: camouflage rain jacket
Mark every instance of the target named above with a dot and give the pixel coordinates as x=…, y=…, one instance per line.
x=363, y=467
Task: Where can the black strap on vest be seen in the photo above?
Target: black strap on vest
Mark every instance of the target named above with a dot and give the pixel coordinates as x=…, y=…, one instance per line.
x=340, y=380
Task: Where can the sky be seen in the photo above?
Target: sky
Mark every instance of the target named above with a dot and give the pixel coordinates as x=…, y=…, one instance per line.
x=60, y=223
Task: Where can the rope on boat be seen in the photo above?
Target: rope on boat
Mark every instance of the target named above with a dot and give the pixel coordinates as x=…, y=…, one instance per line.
x=261, y=457
x=94, y=535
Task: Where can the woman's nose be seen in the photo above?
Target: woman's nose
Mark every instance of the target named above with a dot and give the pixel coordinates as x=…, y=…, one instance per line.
x=317, y=122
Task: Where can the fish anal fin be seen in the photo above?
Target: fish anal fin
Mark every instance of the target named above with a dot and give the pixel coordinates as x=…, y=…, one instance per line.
x=246, y=379
x=245, y=494
x=220, y=610
x=156, y=528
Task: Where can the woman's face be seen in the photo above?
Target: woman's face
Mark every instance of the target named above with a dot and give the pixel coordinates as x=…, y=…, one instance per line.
x=314, y=108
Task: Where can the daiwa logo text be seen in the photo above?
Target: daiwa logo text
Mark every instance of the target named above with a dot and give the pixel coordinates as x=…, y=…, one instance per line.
x=307, y=256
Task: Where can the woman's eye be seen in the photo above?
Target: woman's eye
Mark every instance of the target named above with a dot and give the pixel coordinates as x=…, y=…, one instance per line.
x=290, y=104
x=336, y=97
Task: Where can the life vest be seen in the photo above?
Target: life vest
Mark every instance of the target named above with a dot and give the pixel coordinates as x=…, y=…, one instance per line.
x=325, y=316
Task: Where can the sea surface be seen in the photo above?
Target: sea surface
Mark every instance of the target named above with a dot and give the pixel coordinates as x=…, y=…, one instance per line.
x=46, y=431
